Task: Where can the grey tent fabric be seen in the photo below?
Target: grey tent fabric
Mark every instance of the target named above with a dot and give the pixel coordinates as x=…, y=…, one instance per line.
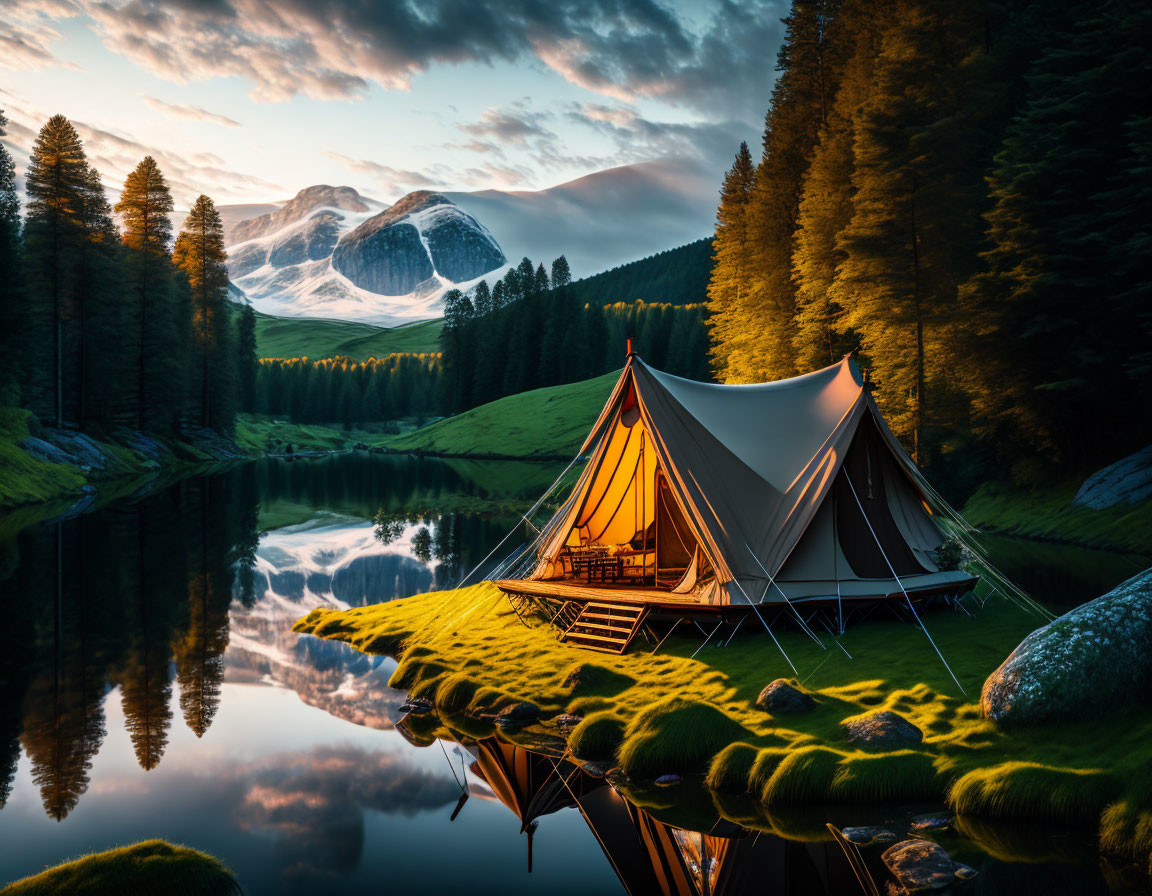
x=759, y=475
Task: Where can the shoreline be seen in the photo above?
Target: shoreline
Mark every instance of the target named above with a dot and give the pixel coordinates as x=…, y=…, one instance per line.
x=675, y=712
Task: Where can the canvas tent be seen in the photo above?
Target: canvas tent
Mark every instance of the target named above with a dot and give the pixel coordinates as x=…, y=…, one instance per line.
x=719, y=495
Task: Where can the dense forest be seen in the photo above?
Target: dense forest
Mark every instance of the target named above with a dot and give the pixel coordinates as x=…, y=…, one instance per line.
x=961, y=190
x=107, y=325
x=535, y=330
x=675, y=277
x=349, y=393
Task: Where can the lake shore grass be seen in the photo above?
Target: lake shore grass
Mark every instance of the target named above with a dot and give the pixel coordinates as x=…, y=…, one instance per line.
x=651, y=715
x=1048, y=514
x=152, y=866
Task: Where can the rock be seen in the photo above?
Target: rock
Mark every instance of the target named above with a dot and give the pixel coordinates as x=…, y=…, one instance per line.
x=934, y=821
x=567, y=721
x=519, y=712
x=295, y=209
x=781, y=698
x=667, y=780
x=884, y=730
x=47, y=452
x=417, y=706
x=1129, y=481
x=964, y=872
x=423, y=234
x=920, y=865
x=311, y=241
x=869, y=835
x=1087, y=662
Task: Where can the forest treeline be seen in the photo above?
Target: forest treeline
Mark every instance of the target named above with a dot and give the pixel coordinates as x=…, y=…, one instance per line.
x=347, y=392
x=961, y=190
x=534, y=329
x=108, y=319
x=675, y=277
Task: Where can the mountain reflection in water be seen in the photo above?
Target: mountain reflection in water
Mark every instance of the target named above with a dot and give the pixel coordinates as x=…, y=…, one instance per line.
x=151, y=686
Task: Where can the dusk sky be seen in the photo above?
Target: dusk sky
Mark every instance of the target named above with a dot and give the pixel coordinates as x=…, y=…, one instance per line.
x=250, y=100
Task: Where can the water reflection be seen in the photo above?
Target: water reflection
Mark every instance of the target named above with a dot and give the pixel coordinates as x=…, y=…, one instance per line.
x=177, y=592
x=150, y=685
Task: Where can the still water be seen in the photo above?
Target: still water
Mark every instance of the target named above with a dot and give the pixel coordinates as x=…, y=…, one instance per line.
x=150, y=686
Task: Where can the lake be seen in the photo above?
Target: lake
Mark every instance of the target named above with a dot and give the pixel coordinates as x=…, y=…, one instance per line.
x=150, y=686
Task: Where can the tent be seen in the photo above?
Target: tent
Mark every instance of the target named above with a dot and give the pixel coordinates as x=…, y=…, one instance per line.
x=726, y=495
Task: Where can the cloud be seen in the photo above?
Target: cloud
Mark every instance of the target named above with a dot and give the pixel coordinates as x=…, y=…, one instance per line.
x=26, y=36
x=395, y=180
x=515, y=124
x=114, y=155
x=192, y=113
x=336, y=49
x=638, y=138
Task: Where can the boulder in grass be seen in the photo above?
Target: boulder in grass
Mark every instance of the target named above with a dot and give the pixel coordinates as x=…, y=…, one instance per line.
x=883, y=730
x=921, y=865
x=1089, y=661
x=517, y=714
x=667, y=780
x=781, y=698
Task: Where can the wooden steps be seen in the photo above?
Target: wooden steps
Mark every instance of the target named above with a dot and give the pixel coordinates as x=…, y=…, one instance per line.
x=605, y=626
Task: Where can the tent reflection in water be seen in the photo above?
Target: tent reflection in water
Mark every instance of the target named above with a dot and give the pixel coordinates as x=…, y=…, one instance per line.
x=650, y=856
x=721, y=496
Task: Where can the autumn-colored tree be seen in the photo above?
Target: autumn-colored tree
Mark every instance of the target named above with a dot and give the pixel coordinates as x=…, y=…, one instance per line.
x=728, y=289
x=158, y=302
x=199, y=254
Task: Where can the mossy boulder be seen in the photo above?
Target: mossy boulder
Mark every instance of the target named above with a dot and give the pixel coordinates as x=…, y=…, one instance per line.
x=1087, y=662
x=883, y=730
x=782, y=698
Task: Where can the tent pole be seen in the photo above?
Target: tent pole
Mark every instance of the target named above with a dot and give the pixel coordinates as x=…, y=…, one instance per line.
x=771, y=582
x=534, y=508
x=767, y=627
x=706, y=640
x=916, y=615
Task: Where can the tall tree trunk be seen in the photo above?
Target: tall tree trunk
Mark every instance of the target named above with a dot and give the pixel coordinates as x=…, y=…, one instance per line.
x=918, y=413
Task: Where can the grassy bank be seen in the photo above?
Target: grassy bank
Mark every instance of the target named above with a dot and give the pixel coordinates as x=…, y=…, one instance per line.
x=1048, y=514
x=670, y=712
x=26, y=478
x=549, y=422
x=149, y=867
x=299, y=337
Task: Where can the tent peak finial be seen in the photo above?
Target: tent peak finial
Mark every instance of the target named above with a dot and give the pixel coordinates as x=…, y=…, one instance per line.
x=630, y=352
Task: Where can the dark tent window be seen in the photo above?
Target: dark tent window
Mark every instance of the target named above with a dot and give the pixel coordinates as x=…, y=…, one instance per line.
x=870, y=465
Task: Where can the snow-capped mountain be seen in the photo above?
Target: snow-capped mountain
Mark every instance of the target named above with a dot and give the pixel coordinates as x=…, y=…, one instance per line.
x=332, y=561
x=330, y=252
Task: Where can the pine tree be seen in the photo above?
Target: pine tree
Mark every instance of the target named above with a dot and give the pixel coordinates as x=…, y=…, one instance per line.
x=482, y=298
x=731, y=248
x=158, y=305
x=561, y=275
x=199, y=253
x=12, y=314
x=247, y=359
x=541, y=283
x=809, y=67
x=826, y=203
x=58, y=182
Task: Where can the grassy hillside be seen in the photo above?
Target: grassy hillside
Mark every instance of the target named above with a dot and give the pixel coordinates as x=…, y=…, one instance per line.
x=288, y=337
x=27, y=478
x=549, y=422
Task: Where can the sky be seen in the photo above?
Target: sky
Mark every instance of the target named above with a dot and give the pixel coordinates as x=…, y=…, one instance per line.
x=252, y=100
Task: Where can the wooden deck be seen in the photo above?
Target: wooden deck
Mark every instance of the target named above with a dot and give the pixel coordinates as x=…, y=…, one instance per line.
x=578, y=592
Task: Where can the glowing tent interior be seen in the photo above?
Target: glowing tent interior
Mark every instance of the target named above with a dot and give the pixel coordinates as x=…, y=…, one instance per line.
x=716, y=496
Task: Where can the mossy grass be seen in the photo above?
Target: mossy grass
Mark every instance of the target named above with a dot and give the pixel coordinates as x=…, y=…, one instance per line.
x=683, y=713
x=27, y=479
x=150, y=867
x=598, y=736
